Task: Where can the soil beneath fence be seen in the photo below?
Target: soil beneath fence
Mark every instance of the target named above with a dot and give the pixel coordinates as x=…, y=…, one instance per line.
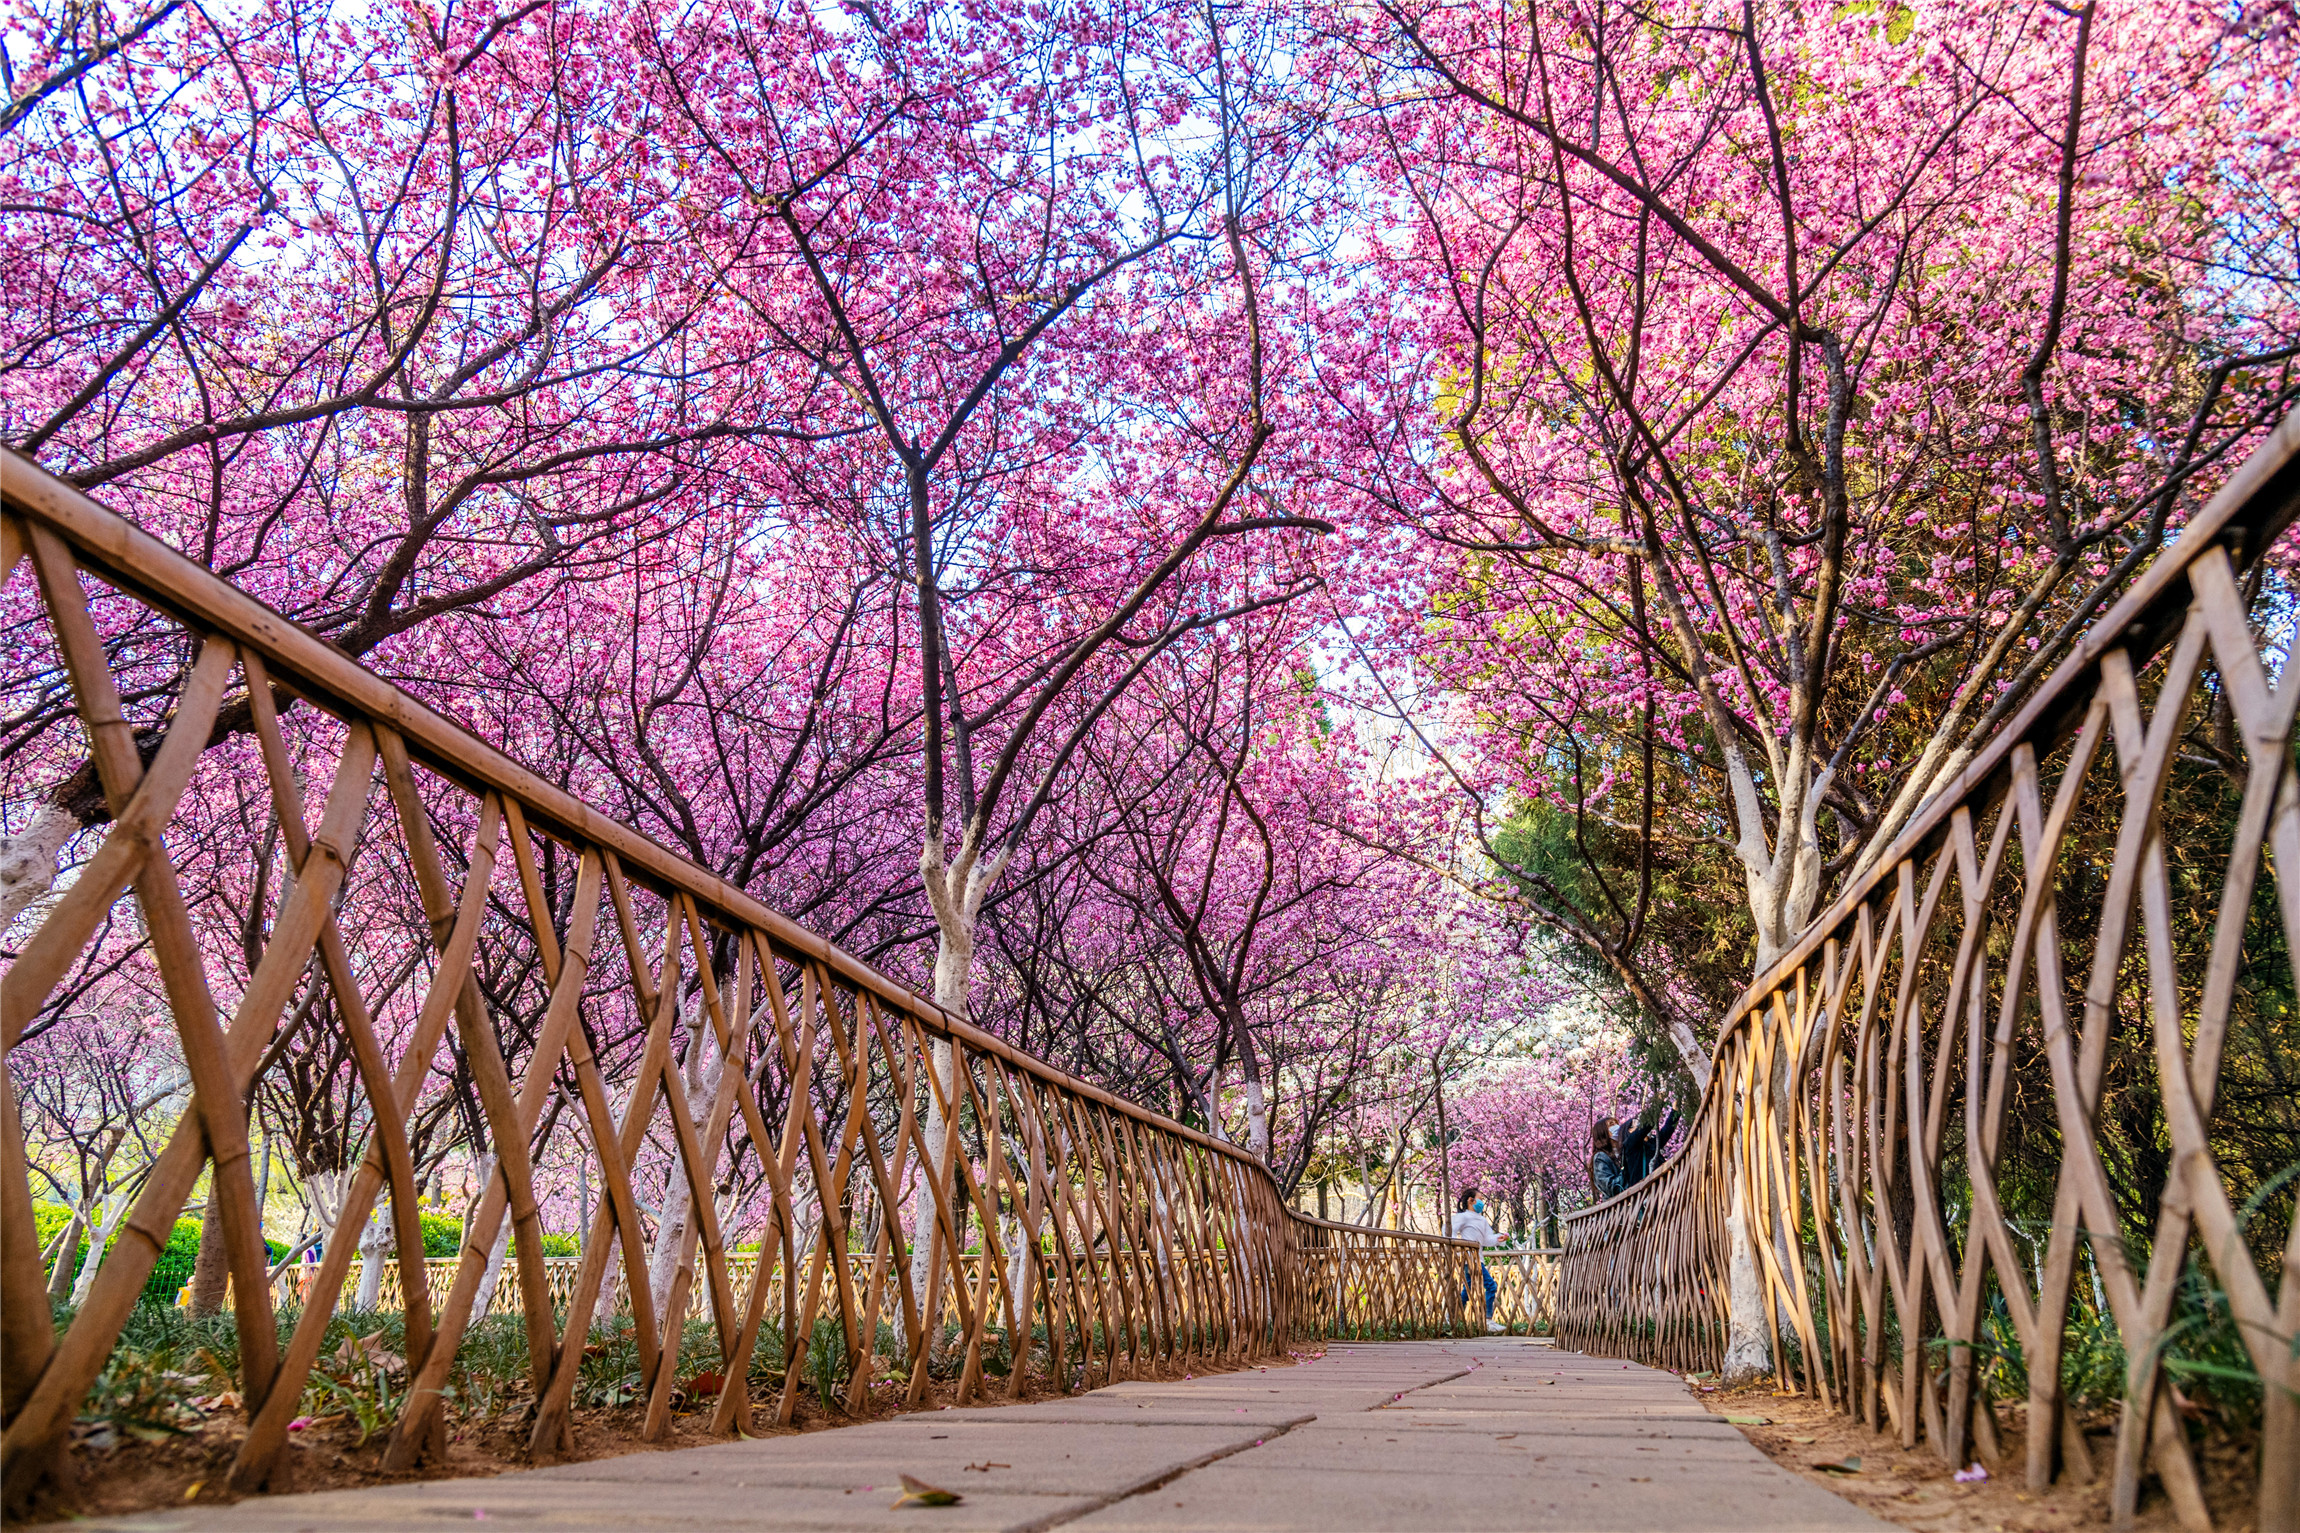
x=135, y=1475
x=1916, y=1488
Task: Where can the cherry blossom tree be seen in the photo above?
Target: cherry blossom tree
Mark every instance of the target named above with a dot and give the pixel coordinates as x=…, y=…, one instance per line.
x=370, y=314
x=98, y=1092
x=1521, y=1132
x=1033, y=256
x=1806, y=380
x=1234, y=850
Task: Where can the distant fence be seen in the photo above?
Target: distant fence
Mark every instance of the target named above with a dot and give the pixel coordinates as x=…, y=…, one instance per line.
x=860, y=1106
x=1525, y=1290
x=1983, y=1123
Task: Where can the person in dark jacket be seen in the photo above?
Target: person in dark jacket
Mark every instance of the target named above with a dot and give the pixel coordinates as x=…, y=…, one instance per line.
x=1662, y=1133
x=1643, y=1147
x=1604, y=1166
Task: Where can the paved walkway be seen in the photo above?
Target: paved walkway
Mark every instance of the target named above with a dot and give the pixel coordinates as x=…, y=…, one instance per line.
x=1494, y=1434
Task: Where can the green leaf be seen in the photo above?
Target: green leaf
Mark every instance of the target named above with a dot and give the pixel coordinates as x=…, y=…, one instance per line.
x=919, y=1493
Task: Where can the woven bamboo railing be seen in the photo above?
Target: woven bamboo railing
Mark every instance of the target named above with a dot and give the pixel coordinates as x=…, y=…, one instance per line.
x=1131, y=1244
x=1908, y=1107
x=1525, y=1288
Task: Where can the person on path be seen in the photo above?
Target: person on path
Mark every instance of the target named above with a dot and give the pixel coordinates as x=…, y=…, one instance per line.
x=1643, y=1147
x=1604, y=1164
x=1470, y=1223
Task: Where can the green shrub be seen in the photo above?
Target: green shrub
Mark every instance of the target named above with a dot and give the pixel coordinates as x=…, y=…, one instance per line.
x=443, y=1236
x=169, y=1274
x=167, y=1359
x=174, y=1268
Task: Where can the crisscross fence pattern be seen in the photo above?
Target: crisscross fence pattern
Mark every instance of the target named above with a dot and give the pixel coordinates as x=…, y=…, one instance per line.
x=294, y=1288
x=2018, y=1107
x=1525, y=1290
x=1015, y=1226
x=1362, y=1282
x=1368, y=1282
x=1356, y=1282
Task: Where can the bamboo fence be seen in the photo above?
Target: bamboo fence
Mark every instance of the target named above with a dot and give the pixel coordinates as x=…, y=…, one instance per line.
x=1525, y=1286
x=1964, y=996
x=1113, y=1242
x=1525, y=1290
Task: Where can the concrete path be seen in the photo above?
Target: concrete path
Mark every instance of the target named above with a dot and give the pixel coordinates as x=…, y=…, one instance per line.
x=1494, y=1434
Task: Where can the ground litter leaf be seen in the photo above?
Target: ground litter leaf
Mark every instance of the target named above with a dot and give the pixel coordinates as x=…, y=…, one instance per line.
x=919, y=1493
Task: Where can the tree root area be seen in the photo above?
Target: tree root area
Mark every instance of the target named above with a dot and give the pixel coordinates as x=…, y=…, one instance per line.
x=1918, y=1489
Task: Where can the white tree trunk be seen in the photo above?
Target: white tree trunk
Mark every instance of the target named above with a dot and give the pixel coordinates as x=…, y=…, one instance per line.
x=485, y=1301
x=323, y=1198
x=953, y=988
x=1784, y=879
x=60, y=1276
x=1691, y=1051
x=1017, y=1259
x=955, y=891
x=115, y=1208
x=1257, y=1120
x=28, y=861
x=1748, y=1344
x=611, y=1301
x=698, y=1079
x=375, y=1243
x=484, y=1168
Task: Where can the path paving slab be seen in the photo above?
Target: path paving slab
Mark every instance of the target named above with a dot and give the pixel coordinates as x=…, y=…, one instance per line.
x=1492, y=1434
x=1408, y=1494
x=1036, y=1458
x=1342, y=1446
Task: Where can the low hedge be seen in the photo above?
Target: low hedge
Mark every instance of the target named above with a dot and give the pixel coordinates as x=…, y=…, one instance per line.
x=442, y=1236
x=169, y=1274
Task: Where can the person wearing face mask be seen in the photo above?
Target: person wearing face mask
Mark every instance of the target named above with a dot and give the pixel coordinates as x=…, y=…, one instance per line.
x=1470, y=1223
x=1604, y=1163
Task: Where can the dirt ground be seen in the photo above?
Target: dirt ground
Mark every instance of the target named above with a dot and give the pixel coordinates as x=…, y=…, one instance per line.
x=1917, y=1489
x=139, y=1476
